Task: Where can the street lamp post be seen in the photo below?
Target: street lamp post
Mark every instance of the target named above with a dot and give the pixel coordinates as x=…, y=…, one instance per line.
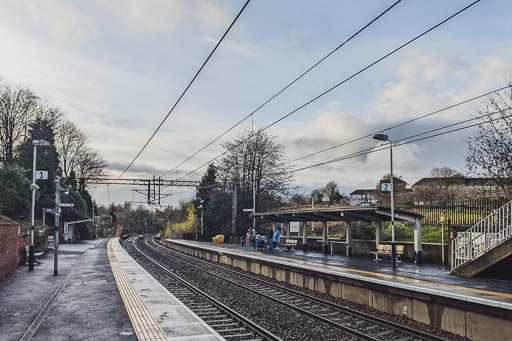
x=33, y=188
x=254, y=204
x=383, y=137
x=202, y=220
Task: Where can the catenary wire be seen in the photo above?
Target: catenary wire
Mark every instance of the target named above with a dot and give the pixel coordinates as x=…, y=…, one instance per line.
x=286, y=87
x=332, y=88
x=188, y=86
x=372, y=150
x=401, y=124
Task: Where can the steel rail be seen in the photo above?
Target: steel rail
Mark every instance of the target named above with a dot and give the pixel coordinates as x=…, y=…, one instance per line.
x=408, y=330
x=345, y=329
x=255, y=327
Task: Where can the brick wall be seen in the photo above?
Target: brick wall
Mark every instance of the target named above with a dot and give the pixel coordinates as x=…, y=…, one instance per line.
x=24, y=241
x=9, y=246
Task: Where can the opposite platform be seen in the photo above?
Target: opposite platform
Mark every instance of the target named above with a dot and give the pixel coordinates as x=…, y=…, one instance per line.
x=422, y=278
x=480, y=309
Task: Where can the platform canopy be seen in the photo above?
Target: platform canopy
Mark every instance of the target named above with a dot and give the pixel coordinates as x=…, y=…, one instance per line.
x=347, y=214
x=342, y=213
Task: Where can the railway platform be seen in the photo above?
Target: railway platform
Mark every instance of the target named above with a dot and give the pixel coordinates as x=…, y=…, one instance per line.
x=101, y=293
x=478, y=308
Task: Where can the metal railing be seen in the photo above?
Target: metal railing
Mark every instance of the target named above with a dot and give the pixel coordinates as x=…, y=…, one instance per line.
x=485, y=235
x=235, y=240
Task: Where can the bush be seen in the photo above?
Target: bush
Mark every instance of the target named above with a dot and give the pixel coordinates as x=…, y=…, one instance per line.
x=14, y=191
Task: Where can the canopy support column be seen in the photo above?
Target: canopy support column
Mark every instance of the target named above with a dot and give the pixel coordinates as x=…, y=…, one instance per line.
x=325, y=237
x=378, y=234
x=304, y=236
x=349, y=238
x=417, y=241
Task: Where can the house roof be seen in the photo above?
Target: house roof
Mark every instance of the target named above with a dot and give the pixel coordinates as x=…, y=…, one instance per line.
x=395, y=181
x=461, y=181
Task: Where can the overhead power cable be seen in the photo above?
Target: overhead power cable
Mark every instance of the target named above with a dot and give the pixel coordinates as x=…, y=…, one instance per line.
x=333, y=87
x=188, y=86
x=407, y=140
x=285, y=88
x=401, y=124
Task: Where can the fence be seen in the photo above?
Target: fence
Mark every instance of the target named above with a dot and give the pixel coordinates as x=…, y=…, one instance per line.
x=467, y=212
x=489, y=232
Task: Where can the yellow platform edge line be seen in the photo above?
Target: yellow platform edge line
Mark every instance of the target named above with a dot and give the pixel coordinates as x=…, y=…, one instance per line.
x=144, y=324
x=376, y=274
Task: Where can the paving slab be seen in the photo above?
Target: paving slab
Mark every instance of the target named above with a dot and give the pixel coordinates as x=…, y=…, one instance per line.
x=176, y=320
x=81, y=303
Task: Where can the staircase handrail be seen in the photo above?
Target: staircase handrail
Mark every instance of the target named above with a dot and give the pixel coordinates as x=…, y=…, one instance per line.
x=485, y=235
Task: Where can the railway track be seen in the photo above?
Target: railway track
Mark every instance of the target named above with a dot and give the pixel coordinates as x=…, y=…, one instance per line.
x=225, y=321
x=353, y=324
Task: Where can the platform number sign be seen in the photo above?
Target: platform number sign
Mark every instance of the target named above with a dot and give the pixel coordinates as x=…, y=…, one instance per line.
x=41, y=175
x=385, y=187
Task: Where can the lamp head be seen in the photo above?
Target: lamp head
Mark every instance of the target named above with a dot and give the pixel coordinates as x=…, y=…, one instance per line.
x=381, y=137
x=40, y=143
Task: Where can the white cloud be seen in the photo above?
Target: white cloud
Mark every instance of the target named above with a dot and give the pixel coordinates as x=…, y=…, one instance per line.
x=213, y=15
x=150, y=16
x=165, y=16
x=63, y=20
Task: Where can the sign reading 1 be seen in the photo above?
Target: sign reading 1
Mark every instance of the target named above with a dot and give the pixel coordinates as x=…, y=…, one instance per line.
x=41, y=175
x=385, y=187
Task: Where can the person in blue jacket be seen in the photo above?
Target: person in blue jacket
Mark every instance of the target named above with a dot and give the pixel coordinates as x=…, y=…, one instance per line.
x=277, y=238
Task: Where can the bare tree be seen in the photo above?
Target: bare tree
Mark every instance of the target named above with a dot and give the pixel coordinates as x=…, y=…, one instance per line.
x=445, y=184
x=299, y=200
x=71, y=142
x=51, y=115
x=17, y=107
x=490, y=147
x=318, y=195
x=89, y=164
x=331, y=192
x=445, y=172
x=256, y=161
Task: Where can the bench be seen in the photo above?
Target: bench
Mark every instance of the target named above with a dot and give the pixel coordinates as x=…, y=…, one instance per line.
x=335, y=242
x=36, y=254
x=385, y=250
x=289, y=245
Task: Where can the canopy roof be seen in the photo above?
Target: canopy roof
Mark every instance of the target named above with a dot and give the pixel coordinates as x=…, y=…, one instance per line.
x=342, y=213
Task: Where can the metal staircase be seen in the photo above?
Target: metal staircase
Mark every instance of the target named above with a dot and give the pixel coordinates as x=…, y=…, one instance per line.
x=486, y=235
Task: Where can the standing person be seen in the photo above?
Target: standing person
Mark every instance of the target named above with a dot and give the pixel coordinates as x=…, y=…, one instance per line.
x=277, y=238
x=269, y=236
x=253, y=237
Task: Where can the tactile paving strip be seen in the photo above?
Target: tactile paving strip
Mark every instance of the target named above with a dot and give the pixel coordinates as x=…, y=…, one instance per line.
x=143, y=322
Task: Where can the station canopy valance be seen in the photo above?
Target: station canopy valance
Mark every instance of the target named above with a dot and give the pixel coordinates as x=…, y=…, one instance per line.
x=341, y=213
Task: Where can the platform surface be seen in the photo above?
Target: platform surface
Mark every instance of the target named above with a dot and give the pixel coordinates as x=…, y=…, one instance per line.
x=426, y=278
x=86, y=302
x=86, y=306
x=176, y=321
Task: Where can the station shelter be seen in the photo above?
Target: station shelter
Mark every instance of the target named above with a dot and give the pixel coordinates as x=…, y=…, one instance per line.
x=347, y=214
x=69, y=232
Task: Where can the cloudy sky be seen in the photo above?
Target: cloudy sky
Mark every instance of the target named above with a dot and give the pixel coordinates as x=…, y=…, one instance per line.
x=117, y=67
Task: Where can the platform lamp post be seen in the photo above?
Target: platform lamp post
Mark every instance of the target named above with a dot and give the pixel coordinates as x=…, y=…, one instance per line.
x=202, y=220
x=33, y=188
x=383, y=137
